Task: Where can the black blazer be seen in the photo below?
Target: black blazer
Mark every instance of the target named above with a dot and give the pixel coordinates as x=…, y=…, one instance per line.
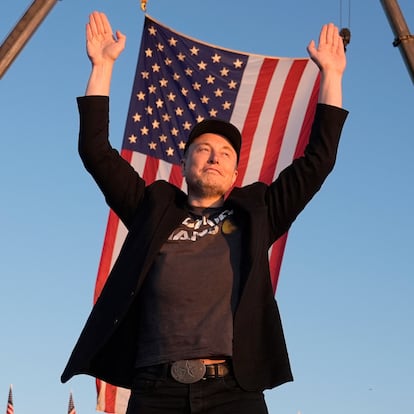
x=107, y=345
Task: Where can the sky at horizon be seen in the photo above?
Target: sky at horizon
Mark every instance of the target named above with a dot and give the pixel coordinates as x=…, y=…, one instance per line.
x=347, y=279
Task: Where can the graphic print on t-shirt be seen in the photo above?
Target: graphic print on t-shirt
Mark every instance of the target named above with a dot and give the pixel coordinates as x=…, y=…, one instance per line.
x=195, y=227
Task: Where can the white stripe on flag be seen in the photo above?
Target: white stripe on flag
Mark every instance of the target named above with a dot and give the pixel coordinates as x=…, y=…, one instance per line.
x=247, y=88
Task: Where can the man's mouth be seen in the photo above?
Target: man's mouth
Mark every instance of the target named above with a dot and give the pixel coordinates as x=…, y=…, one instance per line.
x=213, y=170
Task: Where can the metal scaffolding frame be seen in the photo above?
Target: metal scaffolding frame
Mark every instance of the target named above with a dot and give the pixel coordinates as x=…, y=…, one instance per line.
x=22, y=32
x=404, y=40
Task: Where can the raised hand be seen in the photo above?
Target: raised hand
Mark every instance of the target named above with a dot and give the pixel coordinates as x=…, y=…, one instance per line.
x=101, y=45
x=103, y=49
x=330, y=57
x=330, y=52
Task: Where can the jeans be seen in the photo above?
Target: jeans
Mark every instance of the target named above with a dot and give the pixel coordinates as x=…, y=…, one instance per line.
x=153, y=393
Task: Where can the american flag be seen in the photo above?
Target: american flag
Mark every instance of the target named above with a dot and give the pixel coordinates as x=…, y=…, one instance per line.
x=180, y=81
x=10, y=407
x=71, y=405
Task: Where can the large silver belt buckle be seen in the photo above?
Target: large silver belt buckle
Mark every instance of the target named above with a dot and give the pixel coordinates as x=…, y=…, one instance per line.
x=188, y=371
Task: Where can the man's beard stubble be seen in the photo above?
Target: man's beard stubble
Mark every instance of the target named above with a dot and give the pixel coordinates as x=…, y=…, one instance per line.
x=201, y=189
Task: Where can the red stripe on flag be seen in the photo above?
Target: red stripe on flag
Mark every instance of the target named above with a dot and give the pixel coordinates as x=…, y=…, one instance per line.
x=107, y=396
x=275, y=261
x=106, y=256
x=150, y=169
x=253, y=115
x=176, y=176
x=105, y=263
x=280, y=120
x=110, y=398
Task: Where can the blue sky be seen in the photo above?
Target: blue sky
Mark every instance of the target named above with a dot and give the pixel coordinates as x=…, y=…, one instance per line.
x=347, y=280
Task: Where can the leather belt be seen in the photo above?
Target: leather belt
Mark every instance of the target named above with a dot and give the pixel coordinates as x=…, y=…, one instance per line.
x=188, y=371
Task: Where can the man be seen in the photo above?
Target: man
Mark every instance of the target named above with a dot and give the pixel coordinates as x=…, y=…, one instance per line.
x=187, y=319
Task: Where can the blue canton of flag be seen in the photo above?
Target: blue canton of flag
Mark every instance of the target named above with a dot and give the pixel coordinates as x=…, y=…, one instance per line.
x=178, y=83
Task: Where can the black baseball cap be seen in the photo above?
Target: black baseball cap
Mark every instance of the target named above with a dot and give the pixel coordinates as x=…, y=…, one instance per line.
x=219, y=127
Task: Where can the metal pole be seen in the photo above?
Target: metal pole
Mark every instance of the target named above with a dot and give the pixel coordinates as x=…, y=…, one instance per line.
x=21, y=33
x=404, y=40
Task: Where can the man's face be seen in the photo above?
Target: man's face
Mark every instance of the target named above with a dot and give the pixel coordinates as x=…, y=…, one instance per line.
x=210, y=166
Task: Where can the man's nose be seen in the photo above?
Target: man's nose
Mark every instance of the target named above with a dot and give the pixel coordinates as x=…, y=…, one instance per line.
x=213, y=159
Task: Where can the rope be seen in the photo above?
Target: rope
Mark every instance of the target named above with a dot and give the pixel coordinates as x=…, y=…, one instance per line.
x=341, y=8
x=345, y=32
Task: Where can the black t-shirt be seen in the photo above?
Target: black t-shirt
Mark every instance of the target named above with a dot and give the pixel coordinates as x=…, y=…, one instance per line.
x=190, y=294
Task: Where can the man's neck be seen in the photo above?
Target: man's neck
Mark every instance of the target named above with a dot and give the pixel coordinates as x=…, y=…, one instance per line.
x=205, y=201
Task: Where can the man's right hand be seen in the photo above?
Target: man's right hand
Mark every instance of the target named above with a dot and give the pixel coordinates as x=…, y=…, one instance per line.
x=101, y=44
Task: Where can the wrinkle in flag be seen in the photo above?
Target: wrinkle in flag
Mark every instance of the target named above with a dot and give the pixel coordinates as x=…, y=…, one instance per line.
x=180, y=81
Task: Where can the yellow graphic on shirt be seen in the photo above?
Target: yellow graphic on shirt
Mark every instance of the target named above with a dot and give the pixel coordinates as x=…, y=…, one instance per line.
x=228, y=226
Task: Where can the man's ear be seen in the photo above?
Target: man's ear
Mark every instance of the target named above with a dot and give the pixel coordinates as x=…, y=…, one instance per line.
x=235, y=174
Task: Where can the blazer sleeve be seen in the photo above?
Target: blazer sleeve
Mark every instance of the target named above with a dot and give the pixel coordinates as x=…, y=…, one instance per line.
x=300, y=181
x=120, y=184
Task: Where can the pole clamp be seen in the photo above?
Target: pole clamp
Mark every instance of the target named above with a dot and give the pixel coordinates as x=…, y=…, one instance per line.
x=399, y=40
